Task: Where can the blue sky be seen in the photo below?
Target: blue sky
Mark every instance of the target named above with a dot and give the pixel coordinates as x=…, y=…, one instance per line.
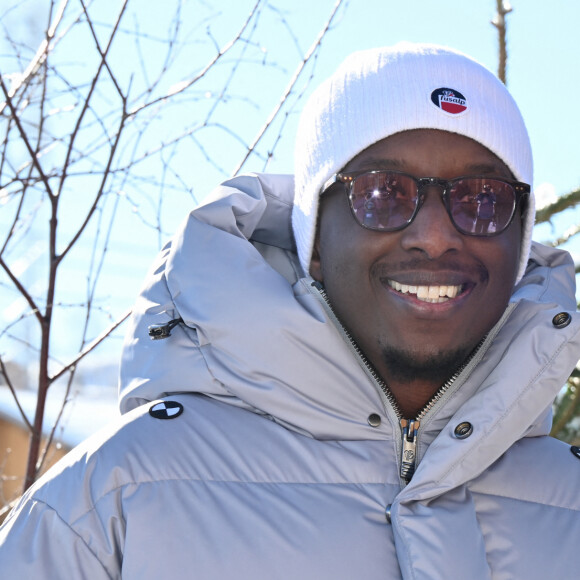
x=543, y=75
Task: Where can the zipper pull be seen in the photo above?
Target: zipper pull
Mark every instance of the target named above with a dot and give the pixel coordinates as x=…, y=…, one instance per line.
x=161, y=331
x=408, y=451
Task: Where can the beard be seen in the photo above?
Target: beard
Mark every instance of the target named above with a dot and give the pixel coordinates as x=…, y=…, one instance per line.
x=406, y=366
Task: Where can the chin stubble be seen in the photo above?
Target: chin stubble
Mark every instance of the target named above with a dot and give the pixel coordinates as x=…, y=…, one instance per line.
x=407, y=366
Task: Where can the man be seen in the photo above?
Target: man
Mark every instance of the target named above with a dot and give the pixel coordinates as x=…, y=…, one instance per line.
x=385, y=416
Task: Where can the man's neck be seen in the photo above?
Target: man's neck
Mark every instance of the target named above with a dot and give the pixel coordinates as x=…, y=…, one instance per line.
x=413, y=385
x=412, y=397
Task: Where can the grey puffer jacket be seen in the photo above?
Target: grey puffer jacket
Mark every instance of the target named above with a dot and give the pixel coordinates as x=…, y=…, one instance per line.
x=280, y=455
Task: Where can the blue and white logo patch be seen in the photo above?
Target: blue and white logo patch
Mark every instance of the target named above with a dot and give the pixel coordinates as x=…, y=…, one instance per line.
x=166, y=410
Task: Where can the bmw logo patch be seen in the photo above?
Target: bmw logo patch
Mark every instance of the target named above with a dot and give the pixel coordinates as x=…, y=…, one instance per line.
x=166, y=410
x=575, y=451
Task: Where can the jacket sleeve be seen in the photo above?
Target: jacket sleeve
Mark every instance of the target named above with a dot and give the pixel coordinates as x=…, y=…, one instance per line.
x=36, y=543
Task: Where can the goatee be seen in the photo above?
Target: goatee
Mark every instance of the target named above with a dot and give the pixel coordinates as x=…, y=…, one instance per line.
x=408, y=366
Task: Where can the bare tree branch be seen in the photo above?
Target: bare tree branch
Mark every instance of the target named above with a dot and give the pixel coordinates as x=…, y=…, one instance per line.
x=75, y=135
x=6, y=375
x=111, y=37
x=563, y=203
x=503, y=7
x=89, y=348
x=185, y=85
x=102, y=64
x=565, y=237
x=24, y=137
x=290, y=86
x=39, y=57
x=21, y=289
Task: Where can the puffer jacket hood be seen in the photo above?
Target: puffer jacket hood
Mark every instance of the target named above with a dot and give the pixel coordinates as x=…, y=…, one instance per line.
x=256, y=334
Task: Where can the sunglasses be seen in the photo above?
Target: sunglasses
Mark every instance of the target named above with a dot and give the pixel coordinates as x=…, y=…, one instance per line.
x=388, y=201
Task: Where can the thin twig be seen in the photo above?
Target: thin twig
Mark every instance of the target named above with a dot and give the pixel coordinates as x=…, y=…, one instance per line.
x=20, y=287
x=111, y=37
x=4, y=371
x=90, y=347
x=99, y=194
x=184, y=86
x=23, y=135
x=39, y=57
x=564, y=202
x=93, y=86
x=565, y=237
x=290, y=87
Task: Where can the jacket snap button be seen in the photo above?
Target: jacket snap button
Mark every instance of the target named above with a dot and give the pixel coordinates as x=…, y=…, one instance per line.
x=561, y=320
x=374, y=420
x=388, y=513
x=463, y=430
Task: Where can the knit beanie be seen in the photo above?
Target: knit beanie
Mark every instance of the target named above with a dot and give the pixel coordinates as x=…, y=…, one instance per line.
x=379, y=92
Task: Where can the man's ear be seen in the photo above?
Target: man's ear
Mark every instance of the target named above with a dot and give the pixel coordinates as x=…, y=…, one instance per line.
x=315, y=263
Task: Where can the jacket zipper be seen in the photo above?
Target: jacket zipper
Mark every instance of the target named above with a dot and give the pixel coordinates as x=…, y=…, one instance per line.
x=409, y=427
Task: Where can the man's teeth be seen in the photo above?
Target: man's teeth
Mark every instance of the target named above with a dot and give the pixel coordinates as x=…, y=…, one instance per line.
x=434, y=294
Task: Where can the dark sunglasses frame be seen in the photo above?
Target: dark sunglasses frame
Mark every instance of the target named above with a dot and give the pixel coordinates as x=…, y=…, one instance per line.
x=521, y=192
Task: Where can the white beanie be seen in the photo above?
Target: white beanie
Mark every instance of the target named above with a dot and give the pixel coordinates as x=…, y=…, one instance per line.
x=379, y=92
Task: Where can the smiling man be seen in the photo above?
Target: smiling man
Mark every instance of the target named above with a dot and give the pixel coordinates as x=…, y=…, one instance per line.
x=351, y=376
x=419, y=289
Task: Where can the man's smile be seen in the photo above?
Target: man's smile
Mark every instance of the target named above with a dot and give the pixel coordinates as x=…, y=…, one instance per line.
x=434, y=294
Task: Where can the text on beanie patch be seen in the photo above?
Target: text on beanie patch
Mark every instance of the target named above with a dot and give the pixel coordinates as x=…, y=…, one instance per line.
x=449, y=100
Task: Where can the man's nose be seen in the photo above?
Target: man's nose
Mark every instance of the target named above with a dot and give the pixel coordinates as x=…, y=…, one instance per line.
x=432, y=231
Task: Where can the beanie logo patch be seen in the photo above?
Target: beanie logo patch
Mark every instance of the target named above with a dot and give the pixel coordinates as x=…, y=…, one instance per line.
x=449, y=100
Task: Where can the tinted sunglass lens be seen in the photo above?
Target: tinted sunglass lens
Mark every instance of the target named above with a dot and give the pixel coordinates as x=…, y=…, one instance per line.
x=481, y=206
x=383, y=200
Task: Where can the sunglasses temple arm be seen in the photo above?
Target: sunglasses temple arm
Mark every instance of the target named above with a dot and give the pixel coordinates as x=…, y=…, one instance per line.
x=330, y=182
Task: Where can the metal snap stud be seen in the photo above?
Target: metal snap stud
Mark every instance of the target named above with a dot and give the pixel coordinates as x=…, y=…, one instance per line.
x=388, y=513
x=463, y=430
x=374, y=420
x=562, y=320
